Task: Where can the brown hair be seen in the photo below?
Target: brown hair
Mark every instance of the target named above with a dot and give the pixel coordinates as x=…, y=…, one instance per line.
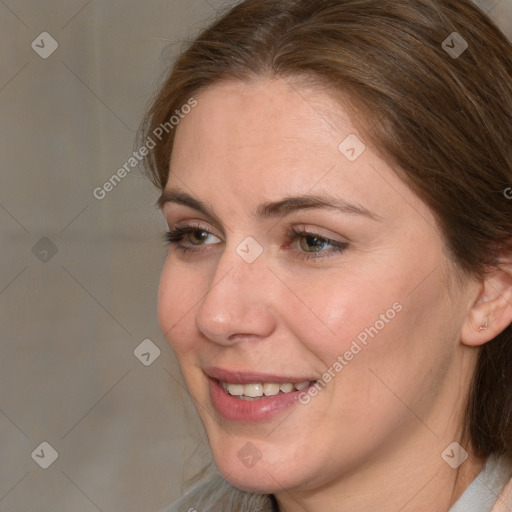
x=443, y=121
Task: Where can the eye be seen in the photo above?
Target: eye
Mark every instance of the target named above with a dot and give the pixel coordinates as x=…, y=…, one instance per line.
x=189, y=237
x=197, y=236
x=314, y=245
x=193, y=238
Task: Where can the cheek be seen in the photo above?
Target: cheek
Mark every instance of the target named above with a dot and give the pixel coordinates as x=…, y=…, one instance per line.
x=376, y=323
x=386, y=350
x=343, y=310
x=178, y=293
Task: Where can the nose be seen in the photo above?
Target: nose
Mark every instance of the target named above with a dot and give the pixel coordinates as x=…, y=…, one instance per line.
x=240, y=304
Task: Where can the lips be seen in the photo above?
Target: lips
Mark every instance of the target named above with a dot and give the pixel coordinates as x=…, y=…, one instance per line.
x=242, y=377
x=252, y=396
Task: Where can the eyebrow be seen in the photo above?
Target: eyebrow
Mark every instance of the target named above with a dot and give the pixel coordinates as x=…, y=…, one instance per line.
x=272, y=209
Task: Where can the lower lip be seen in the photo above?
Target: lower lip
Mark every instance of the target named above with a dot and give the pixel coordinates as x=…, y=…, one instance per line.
x=250, y=411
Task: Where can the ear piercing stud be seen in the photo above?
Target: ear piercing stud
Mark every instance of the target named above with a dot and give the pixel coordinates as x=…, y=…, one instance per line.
x=484, y=326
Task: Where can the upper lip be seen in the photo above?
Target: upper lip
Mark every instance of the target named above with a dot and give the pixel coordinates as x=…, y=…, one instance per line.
x=249, y=377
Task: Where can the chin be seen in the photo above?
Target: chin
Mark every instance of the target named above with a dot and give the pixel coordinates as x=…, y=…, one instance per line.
x=257, y=475
x=252, y=481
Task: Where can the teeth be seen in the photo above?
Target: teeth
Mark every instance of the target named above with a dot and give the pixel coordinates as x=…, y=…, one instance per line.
x=235, y=389
x=270, y=389
x=253, y=390
x=257, y=389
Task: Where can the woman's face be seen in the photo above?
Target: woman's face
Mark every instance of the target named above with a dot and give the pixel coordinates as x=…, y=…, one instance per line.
x=308, y=260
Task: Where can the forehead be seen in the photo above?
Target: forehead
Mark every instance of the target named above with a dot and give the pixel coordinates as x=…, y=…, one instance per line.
x=263, y=110
x=265, y=123
x=267, y=139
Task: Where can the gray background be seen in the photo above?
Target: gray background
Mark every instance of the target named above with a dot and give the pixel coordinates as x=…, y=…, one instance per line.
x=125, y=433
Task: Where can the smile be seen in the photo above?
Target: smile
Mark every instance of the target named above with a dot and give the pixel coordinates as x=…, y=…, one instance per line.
x=255, y=391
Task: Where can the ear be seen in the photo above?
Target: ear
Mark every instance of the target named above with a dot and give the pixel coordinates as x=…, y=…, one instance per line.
x=491, y=311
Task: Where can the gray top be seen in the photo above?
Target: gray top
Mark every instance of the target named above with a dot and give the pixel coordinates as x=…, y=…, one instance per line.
x=483, y=492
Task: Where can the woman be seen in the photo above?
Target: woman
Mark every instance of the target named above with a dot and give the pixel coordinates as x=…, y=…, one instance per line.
x=338, y=286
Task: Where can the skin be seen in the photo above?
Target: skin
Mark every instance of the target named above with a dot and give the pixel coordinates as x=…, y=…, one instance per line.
x=372, y=439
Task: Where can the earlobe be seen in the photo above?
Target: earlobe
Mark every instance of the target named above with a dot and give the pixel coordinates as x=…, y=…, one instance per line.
x=491, y=312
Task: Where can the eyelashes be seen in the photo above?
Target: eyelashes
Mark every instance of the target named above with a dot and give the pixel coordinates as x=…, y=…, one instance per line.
x=194, y=239
x=176, y=236
x=303, y=235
